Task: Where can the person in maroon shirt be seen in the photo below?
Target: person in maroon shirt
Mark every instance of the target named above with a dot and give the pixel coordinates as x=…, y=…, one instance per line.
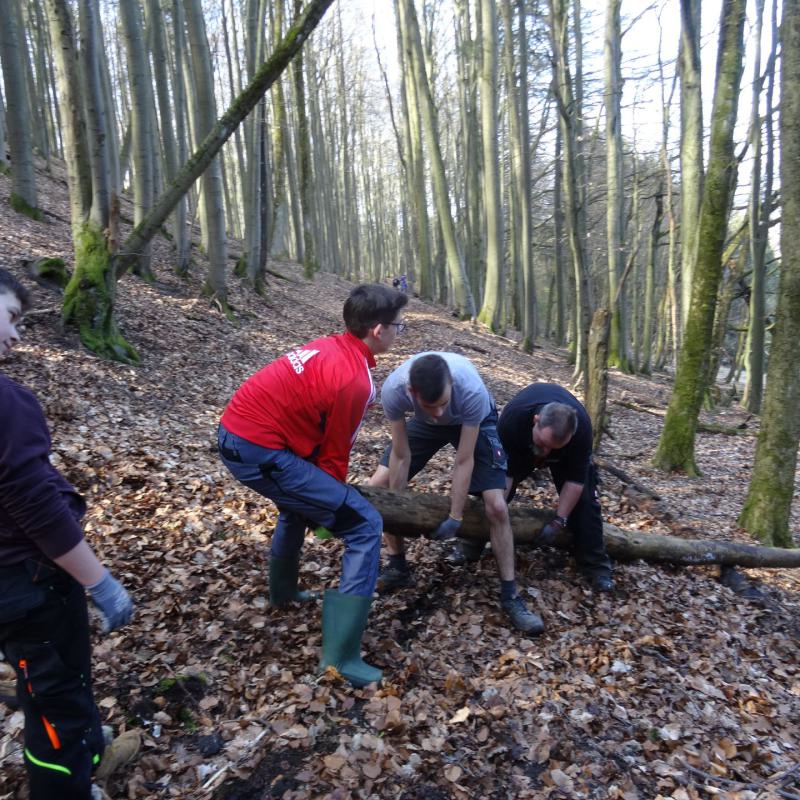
x=287, y=434
x=46, y=566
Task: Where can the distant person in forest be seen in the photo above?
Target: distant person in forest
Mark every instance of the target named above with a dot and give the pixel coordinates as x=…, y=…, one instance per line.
x=449, y=404
x=46, y=568
x=404, y=284
x=287, y=434
x=546, y=426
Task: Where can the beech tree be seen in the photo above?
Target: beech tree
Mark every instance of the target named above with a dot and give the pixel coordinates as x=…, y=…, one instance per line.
x=769, y=497
x=676, y=445
x=24, y=196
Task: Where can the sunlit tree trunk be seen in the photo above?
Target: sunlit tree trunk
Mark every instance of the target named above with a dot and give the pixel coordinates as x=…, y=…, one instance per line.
x=141, y=122
x=89, y=296
x=491, y=313
x=206, y=116
x=415, y=172
x=615, y=202
x=759, y=213
x=691, y=145
x=769, y=498
x=575, y=209
x=648, y=321
x=306, y=187
x=464, y=303
x=676, y=446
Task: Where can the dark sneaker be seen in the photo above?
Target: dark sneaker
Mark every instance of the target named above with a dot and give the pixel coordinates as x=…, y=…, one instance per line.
x=464, y=553
x=521, y=618
x=392, y=578
x=602, y=583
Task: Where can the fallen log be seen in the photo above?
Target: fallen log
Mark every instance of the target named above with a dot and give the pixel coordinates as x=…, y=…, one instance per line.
x=415, y=514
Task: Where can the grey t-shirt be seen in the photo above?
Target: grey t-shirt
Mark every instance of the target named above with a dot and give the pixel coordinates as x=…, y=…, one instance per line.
x=470, y=401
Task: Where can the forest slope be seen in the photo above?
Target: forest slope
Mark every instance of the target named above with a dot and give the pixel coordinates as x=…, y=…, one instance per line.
x=671, y=684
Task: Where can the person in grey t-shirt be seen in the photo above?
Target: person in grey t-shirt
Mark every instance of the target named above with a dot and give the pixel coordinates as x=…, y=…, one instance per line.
x=449, y=404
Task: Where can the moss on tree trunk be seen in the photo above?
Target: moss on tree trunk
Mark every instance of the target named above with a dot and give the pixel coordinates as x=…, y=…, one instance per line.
x=676, y=446
x=89, y=298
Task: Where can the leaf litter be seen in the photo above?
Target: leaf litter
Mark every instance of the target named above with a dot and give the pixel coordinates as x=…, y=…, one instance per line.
x=674, y=687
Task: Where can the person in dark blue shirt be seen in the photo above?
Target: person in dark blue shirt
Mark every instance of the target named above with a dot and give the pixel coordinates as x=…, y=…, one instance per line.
x=546, y=426
x=46, y=567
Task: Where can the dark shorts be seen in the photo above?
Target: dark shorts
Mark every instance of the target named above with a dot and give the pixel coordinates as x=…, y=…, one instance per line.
x=425, y=440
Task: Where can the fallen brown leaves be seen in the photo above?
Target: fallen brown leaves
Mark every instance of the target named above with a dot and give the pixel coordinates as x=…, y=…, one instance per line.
x=674, y=687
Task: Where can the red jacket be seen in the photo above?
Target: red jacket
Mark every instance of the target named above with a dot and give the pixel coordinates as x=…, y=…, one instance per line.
x=310, y=401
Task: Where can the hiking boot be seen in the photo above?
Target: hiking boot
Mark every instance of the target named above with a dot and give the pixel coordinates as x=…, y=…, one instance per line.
x=465, y=552
x=521, y=618
x=8, y=694
x=602, y=584
x=119, y=753
x=393, y=578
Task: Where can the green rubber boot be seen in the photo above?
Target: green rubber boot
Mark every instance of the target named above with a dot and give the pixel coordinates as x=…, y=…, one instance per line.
x=283, y=574
x=344, y=617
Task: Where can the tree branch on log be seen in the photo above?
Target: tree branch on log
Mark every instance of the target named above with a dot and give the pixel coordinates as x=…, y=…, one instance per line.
x=414, y=514
x=708, y=427
x=605, y=465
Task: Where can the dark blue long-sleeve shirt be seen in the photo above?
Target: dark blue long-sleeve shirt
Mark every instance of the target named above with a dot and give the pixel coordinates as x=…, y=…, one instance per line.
x=40, y=511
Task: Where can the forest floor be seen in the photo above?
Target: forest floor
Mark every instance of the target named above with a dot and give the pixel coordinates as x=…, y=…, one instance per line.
x=674, y=686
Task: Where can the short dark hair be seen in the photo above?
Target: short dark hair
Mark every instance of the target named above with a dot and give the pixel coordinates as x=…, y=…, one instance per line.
x=10, y=285
x=371, y=304
x=560, y=418
x=429, y=376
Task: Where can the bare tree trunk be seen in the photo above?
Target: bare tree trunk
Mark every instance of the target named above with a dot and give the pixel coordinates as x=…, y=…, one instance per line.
x=615, y=204
x=676, y=446
x=465, y=305
x=576, y=209
x=24, y=197
x=415, y=179
x=206, y=116
x=141, y=123
x=305, y=189
x=769, y=498
x=648, y=321
x=94, y=103
x=691, y=145
x=760, y=208
x=598, y=373
x=491, y=313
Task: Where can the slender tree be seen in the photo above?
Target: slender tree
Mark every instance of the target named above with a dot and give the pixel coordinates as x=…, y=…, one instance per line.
x=462, y=293
x=24, y=196
x=141, y=85
x=691, y=145
x=205, y=109
x=615, y=205
x=491, y=313
x=769, y=498
x=676, y=446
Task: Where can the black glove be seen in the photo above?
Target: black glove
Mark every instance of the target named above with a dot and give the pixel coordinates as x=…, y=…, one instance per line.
x=446, y=530
x=548, y=534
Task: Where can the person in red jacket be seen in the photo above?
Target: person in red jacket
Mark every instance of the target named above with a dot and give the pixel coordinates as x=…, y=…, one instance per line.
x=287, y=434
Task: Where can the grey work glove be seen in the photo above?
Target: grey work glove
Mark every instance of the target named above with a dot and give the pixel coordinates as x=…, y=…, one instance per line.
x=548, y=534
x=112, y=601
x=446, y=530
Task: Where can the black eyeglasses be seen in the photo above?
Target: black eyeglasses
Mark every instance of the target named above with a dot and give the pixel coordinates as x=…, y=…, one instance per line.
x=401, y=326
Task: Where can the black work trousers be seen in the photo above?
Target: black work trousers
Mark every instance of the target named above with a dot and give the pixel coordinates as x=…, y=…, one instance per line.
x=44, y=635
x=586, y=524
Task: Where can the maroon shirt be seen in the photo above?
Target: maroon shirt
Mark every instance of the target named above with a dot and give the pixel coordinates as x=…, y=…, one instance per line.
x=40, y=511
